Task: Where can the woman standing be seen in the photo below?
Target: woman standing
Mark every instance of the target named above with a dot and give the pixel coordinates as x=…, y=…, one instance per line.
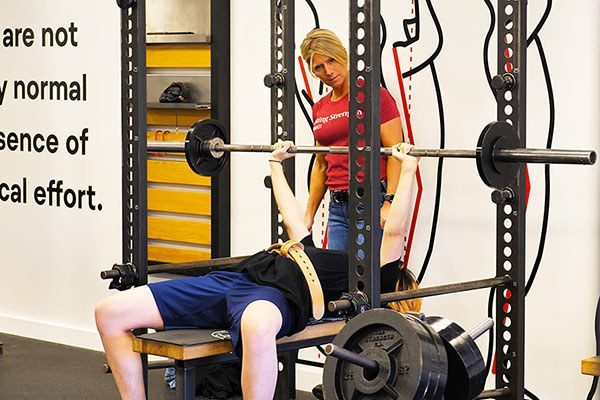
x=328, y=61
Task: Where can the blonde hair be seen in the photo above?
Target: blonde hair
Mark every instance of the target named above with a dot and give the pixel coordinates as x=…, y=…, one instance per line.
x=406, y=281
x=326, y=43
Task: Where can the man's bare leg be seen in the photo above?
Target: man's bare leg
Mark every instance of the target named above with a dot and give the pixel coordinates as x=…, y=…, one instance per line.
x=261, y=321
x=116, y=316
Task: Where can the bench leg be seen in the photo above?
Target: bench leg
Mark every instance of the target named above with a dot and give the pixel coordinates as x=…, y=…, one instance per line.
x=185, y=376
x=286, y=379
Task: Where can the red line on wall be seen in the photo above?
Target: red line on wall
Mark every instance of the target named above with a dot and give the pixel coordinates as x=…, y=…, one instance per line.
x=306, y=85
x=411, y=139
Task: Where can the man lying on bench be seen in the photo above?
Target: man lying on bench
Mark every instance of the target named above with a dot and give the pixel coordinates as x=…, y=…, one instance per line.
x=266, y=296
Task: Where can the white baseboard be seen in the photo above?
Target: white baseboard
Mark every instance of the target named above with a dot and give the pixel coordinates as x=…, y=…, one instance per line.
x=66, y=335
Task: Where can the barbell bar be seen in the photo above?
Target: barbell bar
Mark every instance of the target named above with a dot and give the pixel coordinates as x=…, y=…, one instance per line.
x=541, y=156
x=498, y=152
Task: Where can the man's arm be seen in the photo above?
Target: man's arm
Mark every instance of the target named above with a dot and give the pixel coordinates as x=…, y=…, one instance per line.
x=316, y=190
x=293, y=217
x=394, y=232
x=391, y=134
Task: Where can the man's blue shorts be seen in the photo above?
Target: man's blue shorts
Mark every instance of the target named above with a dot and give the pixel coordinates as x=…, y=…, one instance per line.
x=216, y=300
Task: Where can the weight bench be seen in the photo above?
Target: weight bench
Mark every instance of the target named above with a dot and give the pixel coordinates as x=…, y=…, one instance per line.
x=192, y=347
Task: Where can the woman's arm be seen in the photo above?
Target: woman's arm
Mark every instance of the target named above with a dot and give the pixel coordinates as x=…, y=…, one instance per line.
x=391, y=134
x=317, y=188
x=394, y=232
x=288, y=205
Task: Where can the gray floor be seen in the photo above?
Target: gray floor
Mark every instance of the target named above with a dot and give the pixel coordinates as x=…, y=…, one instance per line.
x=33, y=369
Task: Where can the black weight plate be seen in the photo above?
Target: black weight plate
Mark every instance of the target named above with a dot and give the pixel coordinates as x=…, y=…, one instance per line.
x=466, y=367
x=438, y=367
x=199, y=158
x=494, y=173
x=404, y=345
x=430, y=358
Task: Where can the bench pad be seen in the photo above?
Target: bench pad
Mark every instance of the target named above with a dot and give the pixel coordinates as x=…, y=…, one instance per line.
x=190, y=344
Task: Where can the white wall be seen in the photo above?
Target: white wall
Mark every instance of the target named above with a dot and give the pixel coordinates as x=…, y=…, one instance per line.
x=560, y=307
x=51, y=256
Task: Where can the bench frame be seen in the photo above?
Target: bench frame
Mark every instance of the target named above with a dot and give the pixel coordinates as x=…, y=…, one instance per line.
x=188, y=352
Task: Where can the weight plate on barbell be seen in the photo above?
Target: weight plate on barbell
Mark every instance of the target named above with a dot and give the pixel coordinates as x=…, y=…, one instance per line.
x=466, y=367
x=407, y=354
x=439, y=366
x=496, y=136
x=198, y=156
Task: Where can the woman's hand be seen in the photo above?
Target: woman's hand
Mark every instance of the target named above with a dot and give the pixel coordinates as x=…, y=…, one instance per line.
x=281, y=151
x=400, y=153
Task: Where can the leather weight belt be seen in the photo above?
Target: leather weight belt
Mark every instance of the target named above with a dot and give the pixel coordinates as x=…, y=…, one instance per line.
x=294, y=250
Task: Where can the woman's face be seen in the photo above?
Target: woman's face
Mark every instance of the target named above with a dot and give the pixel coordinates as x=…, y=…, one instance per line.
x=329, y=71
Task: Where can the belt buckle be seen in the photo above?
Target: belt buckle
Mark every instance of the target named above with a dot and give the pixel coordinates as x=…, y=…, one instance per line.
x=339, y=196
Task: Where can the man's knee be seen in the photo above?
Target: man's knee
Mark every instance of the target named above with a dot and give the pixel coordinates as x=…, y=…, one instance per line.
x=261, y=319
x=108, y=314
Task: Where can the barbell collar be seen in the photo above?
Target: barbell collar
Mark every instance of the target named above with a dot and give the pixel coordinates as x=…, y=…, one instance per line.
x=343, y=305
x=351, y=357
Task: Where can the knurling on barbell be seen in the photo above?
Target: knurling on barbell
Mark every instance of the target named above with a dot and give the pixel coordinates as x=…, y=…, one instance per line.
x=498, y=152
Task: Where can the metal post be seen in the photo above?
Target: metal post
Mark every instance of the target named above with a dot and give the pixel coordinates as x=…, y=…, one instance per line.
x=134, y=154
x=282, y=98
x=283, y=127
x=220, y=84
x=364, y=195
x=510, y=259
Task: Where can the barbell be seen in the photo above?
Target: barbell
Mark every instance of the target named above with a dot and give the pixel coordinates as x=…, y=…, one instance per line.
x=498, y=154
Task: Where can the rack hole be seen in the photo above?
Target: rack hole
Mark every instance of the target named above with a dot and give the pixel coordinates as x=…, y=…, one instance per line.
x=360, y=127
x=360, y=270
x=360, y=49
x=360, y=17
x=360, y=207
x=360, y=239
x=360, y=255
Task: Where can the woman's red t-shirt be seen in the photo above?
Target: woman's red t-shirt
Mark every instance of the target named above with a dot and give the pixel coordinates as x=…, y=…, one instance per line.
x=331, y=125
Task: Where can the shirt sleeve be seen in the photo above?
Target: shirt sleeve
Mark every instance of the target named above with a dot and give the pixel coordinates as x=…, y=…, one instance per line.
x=389, y=276
x=389, y=109
x=308, y=241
